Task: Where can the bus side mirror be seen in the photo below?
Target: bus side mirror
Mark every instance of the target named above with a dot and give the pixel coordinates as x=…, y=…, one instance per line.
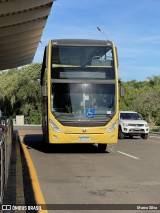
x=121, y=91
x=44, y=90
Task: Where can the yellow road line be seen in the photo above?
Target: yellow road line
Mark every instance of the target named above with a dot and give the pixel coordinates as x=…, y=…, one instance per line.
x=34, y=179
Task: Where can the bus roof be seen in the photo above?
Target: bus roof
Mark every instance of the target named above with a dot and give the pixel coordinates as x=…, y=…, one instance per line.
x=81, y=42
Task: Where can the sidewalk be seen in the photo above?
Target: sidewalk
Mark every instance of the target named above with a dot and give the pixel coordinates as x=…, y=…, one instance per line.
x=19, y=189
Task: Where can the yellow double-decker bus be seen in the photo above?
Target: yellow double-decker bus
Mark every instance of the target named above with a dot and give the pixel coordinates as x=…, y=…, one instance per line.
x=80, y=97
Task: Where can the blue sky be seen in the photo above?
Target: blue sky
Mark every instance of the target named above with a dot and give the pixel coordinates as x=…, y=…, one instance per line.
x=133, y=25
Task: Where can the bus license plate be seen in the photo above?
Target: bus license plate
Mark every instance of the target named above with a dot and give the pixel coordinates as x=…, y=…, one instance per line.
x=84, y=138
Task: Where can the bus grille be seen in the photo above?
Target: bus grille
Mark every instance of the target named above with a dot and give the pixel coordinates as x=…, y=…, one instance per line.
x=84, y=124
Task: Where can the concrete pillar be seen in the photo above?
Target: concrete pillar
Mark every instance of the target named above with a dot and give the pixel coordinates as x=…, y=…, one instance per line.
x=20, y=119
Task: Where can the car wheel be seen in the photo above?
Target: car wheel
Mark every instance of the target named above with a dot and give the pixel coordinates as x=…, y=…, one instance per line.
x=145, y=136
x=120, y=134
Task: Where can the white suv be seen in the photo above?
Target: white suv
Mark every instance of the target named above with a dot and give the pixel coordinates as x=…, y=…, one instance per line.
x=131, y=123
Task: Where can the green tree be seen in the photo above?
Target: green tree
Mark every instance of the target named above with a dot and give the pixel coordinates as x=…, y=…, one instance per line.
x=21, y=92
x=143, y=97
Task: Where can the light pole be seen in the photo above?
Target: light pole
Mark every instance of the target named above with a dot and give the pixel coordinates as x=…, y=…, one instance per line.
x=102, y=32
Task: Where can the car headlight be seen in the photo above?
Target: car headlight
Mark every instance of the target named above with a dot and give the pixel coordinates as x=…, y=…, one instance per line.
x=146, y=125
x=54, y=126
x=112, y=127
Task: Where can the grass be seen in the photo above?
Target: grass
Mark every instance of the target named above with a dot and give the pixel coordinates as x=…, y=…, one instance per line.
x=155, y=129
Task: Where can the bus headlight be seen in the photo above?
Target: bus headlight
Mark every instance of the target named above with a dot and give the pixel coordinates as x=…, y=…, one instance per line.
x=112, y=127
x=54, y=126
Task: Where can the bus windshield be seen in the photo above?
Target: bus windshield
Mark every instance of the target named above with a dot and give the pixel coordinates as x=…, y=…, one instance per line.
x=82, y=101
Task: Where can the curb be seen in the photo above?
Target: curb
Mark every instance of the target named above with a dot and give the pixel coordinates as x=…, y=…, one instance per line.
x=158, y=133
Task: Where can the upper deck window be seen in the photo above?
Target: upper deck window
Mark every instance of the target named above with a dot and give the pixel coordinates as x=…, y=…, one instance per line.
x=95, y=62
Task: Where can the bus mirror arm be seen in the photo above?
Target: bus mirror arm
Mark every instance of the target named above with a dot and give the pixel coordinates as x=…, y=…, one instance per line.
x=121, y=88
x=44, y=90
x=121, y=91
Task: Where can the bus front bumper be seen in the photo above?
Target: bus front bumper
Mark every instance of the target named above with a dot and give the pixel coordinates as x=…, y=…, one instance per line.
x=62, y=138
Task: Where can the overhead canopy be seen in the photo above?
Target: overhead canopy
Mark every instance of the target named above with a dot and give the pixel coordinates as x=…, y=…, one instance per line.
x=21, y=25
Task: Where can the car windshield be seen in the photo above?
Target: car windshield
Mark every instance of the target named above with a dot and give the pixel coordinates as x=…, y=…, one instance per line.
x=130, y=116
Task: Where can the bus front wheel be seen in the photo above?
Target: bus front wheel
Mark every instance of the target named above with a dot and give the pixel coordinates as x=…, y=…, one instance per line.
x=45, y=139
x=102, y=147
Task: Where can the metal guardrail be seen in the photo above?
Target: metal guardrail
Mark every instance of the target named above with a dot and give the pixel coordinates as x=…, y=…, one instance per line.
x=6, y=134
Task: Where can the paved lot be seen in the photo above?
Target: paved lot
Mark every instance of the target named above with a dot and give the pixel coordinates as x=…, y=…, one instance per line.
x=128, y=173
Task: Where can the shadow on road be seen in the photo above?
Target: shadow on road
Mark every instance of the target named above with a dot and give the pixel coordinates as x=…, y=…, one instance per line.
x=131, y=138
x=35, y=141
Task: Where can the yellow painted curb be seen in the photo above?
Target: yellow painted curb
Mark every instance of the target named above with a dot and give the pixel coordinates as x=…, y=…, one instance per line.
x=34, y=179
x=19, y=177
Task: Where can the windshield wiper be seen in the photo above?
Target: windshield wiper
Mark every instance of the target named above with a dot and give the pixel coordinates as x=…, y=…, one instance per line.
x=58, y=116
x=105, y=115
x=62, y=115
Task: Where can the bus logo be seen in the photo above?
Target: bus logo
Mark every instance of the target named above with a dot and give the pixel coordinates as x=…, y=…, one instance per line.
x=84, y=130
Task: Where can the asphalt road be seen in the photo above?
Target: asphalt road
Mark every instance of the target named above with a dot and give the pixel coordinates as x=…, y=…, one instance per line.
x=127, y=173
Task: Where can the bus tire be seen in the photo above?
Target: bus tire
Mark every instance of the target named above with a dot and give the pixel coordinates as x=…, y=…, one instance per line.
x=102, y=147
x=45, y=139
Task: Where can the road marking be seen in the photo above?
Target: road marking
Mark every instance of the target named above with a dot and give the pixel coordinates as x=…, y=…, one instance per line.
x=131, y=156
x=153, y=136
x=34, y=179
